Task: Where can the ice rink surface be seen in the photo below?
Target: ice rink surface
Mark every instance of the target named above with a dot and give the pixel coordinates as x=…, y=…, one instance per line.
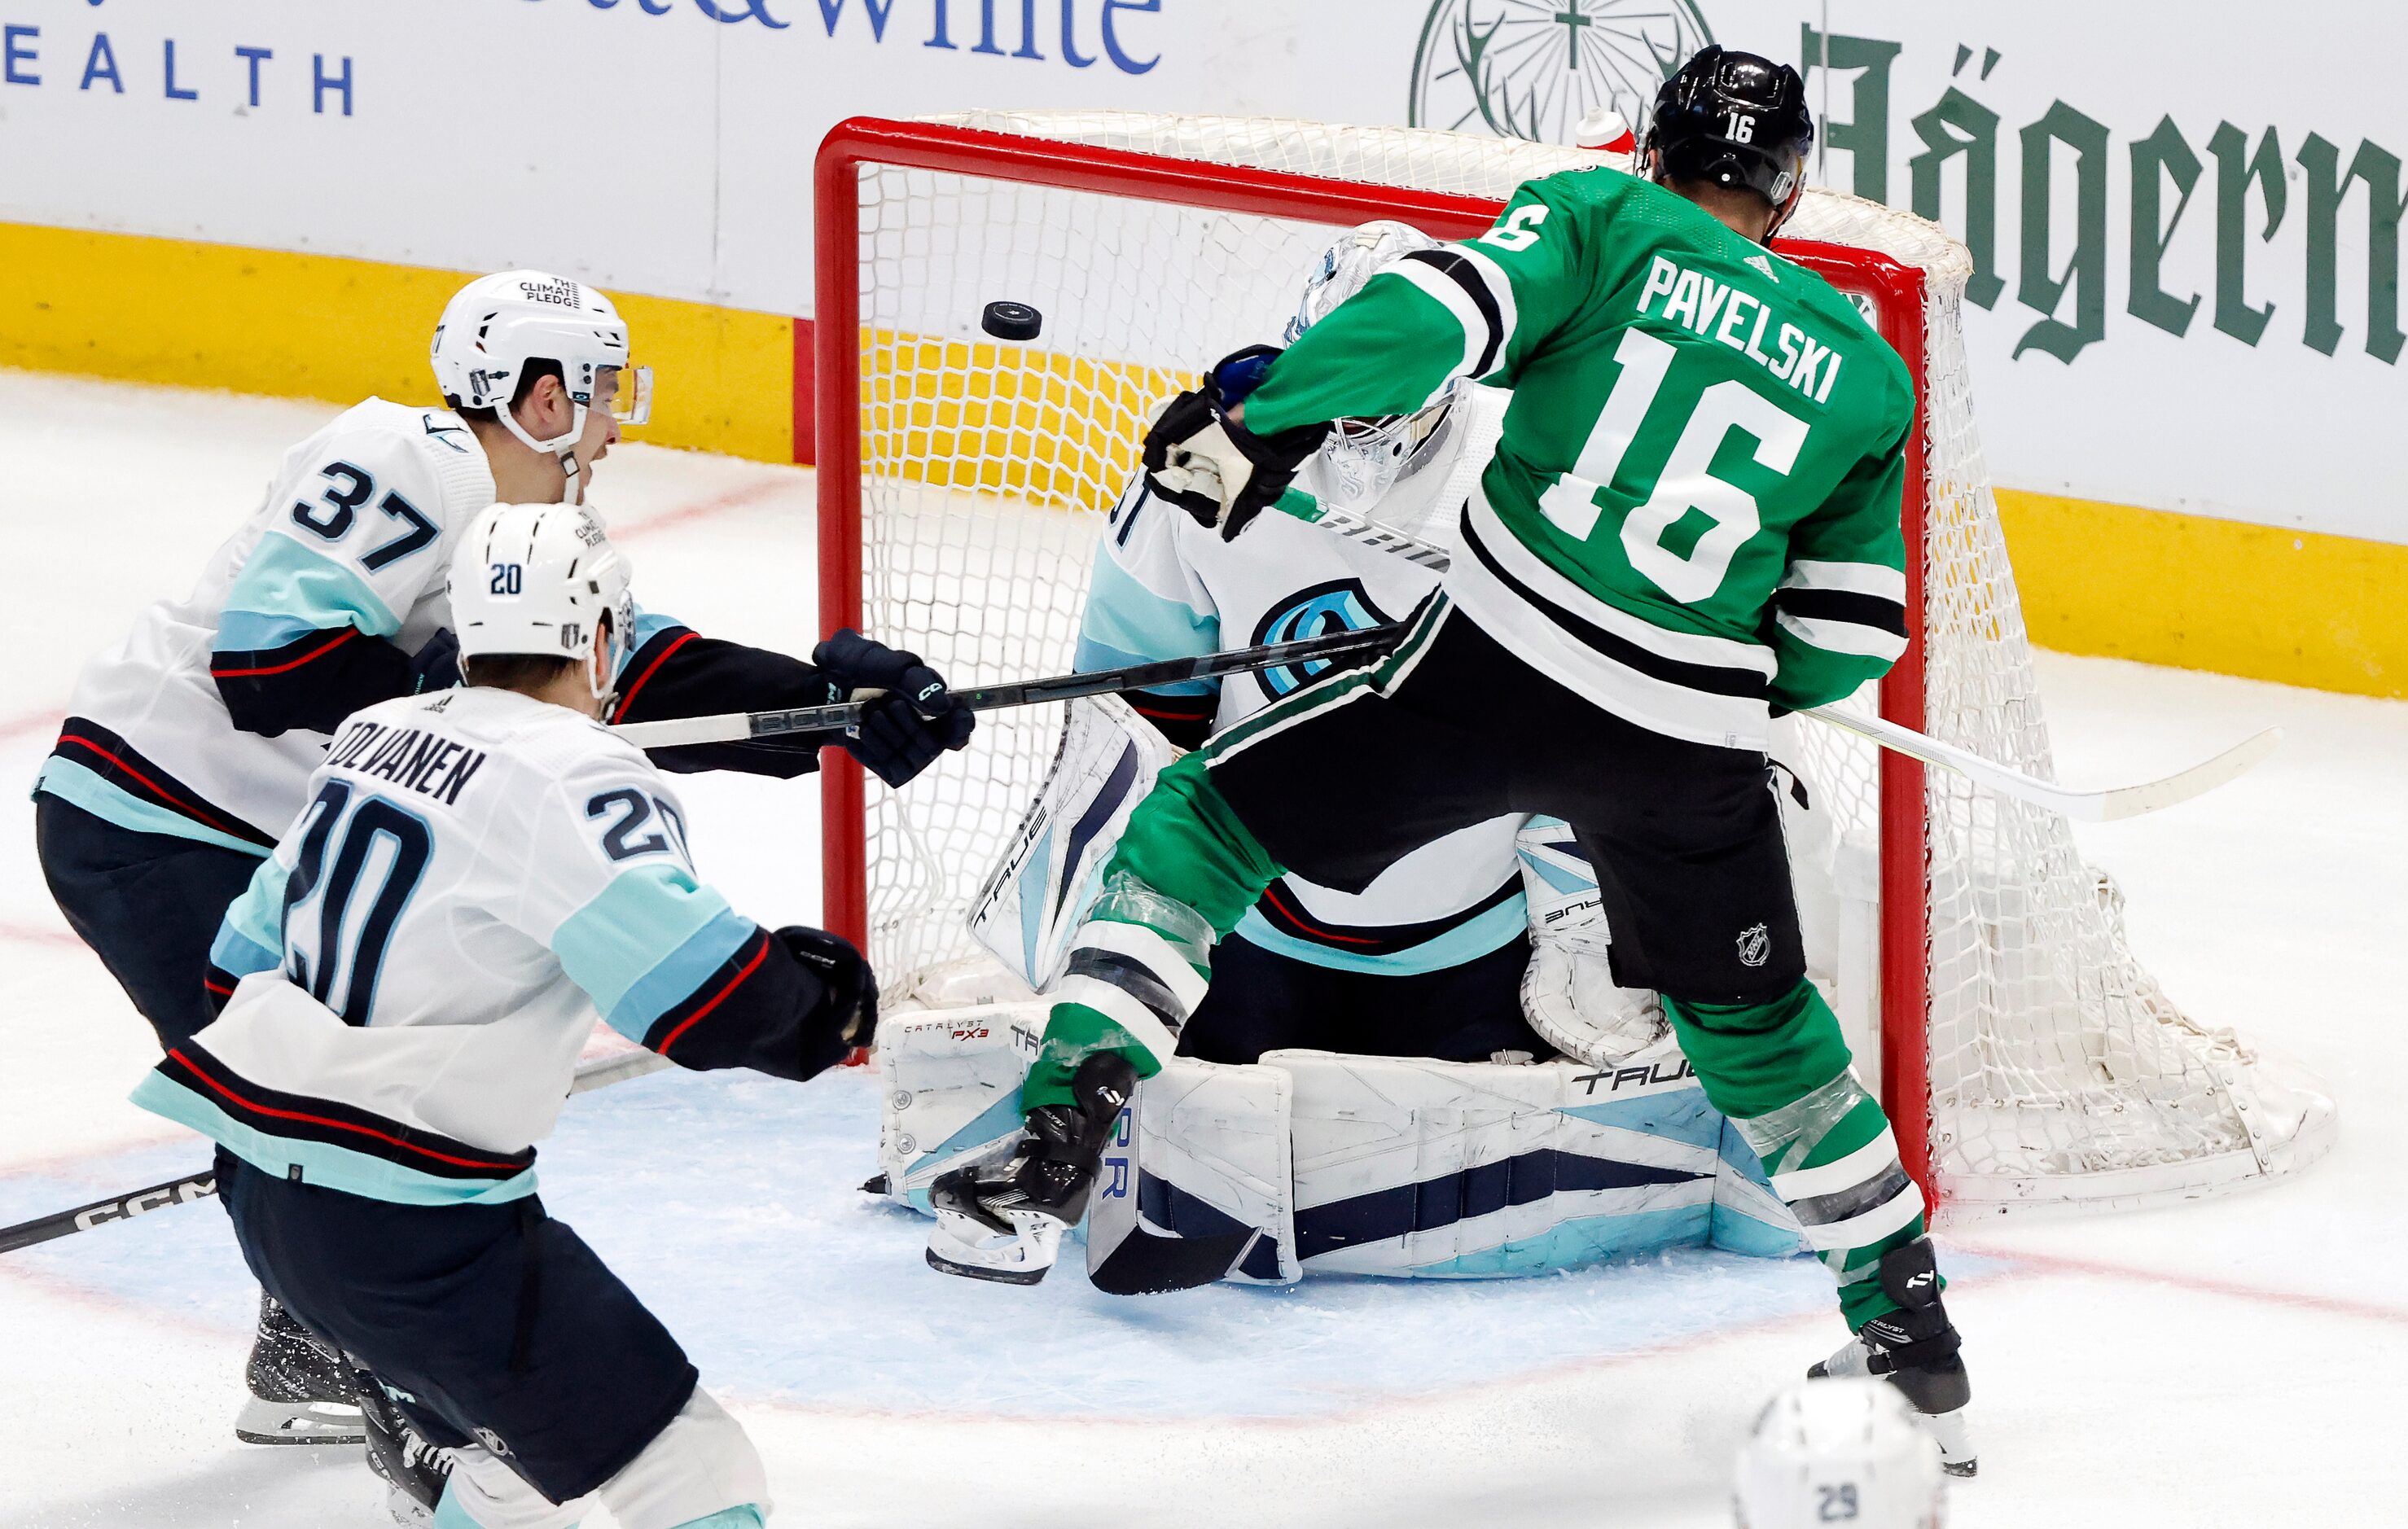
x=2232, y=1362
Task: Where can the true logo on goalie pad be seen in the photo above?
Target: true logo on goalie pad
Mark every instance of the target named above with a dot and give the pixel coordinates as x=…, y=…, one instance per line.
x=1754, y=946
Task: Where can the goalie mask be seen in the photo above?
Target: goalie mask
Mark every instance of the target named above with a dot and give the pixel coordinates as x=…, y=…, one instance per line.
x=1363, y=459
x=542, y=581
x=496, y=326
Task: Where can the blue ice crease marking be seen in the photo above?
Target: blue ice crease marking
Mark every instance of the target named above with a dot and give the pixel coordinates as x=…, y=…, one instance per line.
x=730, y=1203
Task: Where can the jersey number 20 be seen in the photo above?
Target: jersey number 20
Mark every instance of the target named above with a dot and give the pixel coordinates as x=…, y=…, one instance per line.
x=1686, y=481
x=340, y=847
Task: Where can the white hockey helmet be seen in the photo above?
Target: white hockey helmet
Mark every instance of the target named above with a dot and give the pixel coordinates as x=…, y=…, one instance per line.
x=1839, y=1451
x=537, y=580
x=496, y=324
x=1363, y=459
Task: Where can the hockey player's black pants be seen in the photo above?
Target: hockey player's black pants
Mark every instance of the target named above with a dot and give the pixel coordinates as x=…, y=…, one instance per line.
x=1263, y=1001
x=148, y=904
x=492, y=1325
x=1343, y=779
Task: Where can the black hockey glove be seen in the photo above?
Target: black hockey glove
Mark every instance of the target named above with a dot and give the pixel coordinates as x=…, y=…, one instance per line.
x=436, y=665
x=904, y=731
x=850, y=1008
x=1213, y=467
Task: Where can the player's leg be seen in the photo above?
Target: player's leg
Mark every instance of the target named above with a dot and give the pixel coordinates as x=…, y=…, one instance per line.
x=494, y=1323
x=1336, y=782
x=1466, y=1012
x=1695, y=879
x=1267, y=1001
x=149, y=904
x=1348, y=777
x=1261, y=1001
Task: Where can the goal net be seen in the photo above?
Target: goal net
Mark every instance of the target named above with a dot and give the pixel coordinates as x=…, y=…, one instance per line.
x=2026, y=1058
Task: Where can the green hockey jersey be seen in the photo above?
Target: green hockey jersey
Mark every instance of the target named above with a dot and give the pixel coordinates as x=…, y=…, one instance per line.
x=1693, y=513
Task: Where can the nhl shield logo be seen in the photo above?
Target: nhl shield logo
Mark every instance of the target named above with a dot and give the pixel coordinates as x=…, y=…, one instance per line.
x=492, y=1442
x=1754, y=946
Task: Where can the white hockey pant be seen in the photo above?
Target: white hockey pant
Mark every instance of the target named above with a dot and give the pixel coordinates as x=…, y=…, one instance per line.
x=700, y=1472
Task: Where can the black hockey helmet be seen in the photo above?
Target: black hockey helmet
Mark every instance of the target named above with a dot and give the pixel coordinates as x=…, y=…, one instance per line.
x=1734, y=120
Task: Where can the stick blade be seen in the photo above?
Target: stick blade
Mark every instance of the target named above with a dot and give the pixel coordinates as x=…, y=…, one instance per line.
x=2200, y=779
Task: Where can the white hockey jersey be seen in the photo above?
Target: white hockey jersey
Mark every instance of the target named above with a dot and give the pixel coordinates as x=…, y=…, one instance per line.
x=354, y=534
x=1166, y=587
x=421, y=958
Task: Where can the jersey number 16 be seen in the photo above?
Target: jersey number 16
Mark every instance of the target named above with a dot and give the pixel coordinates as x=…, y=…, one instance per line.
x=1686, y=481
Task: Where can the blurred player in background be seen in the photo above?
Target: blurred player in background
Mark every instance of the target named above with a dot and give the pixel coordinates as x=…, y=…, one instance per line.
x=420, y=959
x=1691, y=520
x=1430, y=959
x=188, y=748
x=1839, y=1451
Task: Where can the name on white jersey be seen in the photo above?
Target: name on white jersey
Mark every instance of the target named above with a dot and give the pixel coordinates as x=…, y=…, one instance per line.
x=423, y=761
x=1697, y=301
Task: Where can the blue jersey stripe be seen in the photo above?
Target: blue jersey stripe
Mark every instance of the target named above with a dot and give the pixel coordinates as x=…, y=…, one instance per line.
x=1125, y=615
x=72, y=782
x=1470, y=940
x=285, y=581
x=330, y=1168
x=651, y=929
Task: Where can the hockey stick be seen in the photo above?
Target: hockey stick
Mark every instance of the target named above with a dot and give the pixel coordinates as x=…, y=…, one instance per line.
x=845, y=717
x=202, y=1185
x=2106, y=805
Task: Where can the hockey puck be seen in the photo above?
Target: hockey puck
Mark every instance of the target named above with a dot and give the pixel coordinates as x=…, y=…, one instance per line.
x=1012, y=321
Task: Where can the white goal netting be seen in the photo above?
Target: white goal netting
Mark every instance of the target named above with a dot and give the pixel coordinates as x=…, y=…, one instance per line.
x=2058, y=1071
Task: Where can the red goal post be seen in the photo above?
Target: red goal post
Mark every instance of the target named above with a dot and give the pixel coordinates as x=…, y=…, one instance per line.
x=1895, y=291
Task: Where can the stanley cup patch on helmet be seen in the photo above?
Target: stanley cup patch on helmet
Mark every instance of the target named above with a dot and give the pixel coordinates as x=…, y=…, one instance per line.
x=1754, y=946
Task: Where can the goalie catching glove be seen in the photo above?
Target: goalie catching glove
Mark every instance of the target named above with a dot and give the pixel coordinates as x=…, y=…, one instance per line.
x=1201, y=458
x=1006, y=1224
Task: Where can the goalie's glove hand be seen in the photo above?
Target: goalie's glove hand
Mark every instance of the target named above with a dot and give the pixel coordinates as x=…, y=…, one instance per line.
x=914, y=720
x=850, y=1009
x=1209, y=465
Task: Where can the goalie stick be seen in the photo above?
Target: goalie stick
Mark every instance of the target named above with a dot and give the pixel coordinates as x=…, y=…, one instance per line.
x=2106, y=805
x=844, y=716
x=200, y=1186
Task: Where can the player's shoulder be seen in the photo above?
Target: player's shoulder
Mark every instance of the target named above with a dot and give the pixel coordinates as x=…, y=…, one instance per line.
x=1590, y=188
x=551, y=743
x=1846, y=324
x=427, y=453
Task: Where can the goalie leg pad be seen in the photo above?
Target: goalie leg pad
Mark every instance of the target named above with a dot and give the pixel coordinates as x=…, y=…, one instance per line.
x=1201, y=1154
x=1569, y=993
x=952, y=1096
x=1475, y=1170
x=1037, y=897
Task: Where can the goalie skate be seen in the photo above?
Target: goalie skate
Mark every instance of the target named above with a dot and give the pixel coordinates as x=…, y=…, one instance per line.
x=1006, y=1224
x=987, y=1235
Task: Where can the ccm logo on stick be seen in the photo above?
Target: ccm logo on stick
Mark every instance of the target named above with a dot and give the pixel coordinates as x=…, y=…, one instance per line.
x=134, y=1205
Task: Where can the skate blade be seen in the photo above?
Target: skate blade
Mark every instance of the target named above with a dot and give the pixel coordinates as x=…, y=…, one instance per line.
x=969, y=1247
x=978, y=1271
x=262, y=1421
